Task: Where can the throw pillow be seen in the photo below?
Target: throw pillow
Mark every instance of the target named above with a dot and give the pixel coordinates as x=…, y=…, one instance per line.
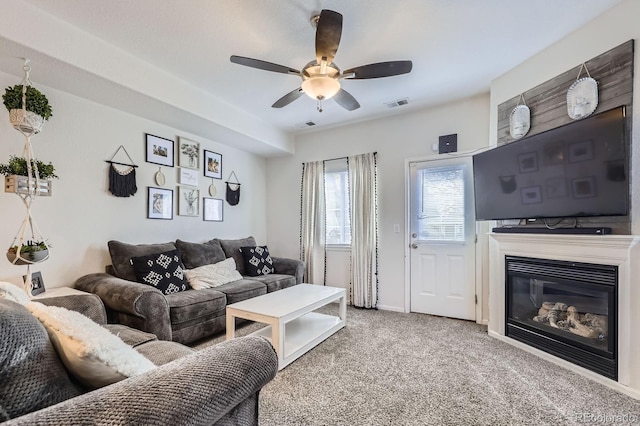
x=164, y=271
x=14, y=293
x=121, y=254
x=90, y=352
x=257, y=261
x=32, y=376
x=195, y=255
x=213, y=275
x=232, y=249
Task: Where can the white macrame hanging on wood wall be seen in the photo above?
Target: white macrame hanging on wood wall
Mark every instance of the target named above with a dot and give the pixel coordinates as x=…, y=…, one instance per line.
x=582, y=96
x=520, y=120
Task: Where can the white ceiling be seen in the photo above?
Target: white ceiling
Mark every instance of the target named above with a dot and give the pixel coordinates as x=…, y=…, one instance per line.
x=457, y=46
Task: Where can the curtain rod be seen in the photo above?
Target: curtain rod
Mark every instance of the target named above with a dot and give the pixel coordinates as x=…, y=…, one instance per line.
x=346, y=156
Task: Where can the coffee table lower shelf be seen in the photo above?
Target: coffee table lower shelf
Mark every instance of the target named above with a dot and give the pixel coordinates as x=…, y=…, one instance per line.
x=303, y=333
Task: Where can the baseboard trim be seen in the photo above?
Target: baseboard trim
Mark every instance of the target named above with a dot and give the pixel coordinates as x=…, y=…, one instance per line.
x=569, y=366
x=390, y=308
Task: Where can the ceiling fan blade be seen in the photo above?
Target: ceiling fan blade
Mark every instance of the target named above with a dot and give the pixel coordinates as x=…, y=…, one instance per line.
x=346, y=100
x=380, y=69
x=328, y=35
x=288, y=98
x=263, y=65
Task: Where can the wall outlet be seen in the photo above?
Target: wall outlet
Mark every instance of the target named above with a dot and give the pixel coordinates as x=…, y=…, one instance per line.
x=396, y=228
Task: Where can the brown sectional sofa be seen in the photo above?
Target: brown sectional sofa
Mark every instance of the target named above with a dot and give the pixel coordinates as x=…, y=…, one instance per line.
x=186, y=316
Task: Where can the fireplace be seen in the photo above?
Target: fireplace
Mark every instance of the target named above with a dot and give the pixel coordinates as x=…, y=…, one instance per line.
x=568, y=309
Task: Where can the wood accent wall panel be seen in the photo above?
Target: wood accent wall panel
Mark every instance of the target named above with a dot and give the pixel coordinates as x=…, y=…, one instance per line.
x=613, y=70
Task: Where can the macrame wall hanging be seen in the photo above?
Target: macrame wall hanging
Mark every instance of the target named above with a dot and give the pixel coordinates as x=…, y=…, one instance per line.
x=519, y=119
x=29, y=246
x=233, y=190
x=122, y=183
x=582, y=96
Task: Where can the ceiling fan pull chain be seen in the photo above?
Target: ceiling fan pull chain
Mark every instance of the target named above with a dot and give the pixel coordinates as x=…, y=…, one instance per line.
x=319, y=105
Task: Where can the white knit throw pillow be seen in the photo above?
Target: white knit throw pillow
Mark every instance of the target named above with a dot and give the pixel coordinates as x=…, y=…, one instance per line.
x=14, y=293
x=90, y=352
x=213, y=275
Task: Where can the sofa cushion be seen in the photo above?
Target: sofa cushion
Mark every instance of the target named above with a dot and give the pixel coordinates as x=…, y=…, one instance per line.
x=195, y=255
x=32, y=375
x=121, y=254
x=275, y=281
x=232, y=249
x=238, y=291
x=164, y=271
x=257, y=261
x=209, y=276
x=90, y=352
x=190, y=305
x=161, y=352
x=130, y=336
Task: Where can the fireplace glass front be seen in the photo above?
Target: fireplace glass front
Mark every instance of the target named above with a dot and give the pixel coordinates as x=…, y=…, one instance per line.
x=567, y=309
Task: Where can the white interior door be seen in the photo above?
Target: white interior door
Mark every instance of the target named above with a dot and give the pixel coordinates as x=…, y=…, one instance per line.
x=442, y=238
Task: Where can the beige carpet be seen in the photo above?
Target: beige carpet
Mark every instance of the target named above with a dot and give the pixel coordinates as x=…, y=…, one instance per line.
x=388, y=368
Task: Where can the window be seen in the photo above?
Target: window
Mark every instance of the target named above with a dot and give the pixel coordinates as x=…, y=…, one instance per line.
x=442, y=204
x=336, y=184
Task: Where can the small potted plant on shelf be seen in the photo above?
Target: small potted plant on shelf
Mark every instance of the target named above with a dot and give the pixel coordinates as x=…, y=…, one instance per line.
x=37, y=108
x=31, y=251
x=16, y=175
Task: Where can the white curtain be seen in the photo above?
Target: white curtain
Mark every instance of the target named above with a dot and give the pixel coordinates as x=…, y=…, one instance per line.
x=364, y=230
x=312, y=233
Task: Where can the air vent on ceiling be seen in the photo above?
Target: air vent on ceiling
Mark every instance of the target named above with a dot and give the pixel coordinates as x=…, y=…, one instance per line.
x=397, y=103
x=305, y=125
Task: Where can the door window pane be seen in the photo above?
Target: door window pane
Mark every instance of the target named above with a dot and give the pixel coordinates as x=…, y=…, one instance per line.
x=441, y=201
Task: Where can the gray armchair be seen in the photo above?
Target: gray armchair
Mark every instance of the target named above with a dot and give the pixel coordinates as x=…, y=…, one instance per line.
x=217, y=385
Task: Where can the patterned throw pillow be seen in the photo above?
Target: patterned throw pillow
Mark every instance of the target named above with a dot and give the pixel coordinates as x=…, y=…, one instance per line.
x=257, y=261
x=164, y=271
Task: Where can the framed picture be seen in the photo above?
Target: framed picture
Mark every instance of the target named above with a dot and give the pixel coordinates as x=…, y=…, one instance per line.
x=159, y=150
x=584, y=187
x=531, y=195
x=160, y=203
x=189, y=153
x=212, y=164
x=580, y=151
x=188, y=201
x=528, y=162
x=212, y=209
x=37, y=283
x=188, y=177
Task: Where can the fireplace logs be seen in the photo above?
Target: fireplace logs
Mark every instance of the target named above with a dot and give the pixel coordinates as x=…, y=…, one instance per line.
x=559, y=315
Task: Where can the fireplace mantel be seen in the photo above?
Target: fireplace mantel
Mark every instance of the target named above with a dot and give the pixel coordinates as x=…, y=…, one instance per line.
x=619, y=250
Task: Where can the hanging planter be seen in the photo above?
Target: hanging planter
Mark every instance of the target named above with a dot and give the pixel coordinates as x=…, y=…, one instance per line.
x=17, y=176
x=26, y=176
x=28, y=108
x=26, y=121
x=29, y=253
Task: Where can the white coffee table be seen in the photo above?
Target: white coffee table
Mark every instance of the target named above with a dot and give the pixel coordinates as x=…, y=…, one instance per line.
x=293, y=328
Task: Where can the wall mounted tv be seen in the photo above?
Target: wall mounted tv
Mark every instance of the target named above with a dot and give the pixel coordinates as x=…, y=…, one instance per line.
x=576, y=170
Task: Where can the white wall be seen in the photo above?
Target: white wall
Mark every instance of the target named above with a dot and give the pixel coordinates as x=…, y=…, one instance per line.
x=607, y=31
x=395, y=138
x=82, y=215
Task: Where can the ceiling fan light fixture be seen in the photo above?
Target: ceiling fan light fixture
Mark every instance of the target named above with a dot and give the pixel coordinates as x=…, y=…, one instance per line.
x=320, y=87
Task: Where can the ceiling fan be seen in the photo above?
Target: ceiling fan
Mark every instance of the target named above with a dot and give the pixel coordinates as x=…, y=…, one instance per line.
x=321, y=77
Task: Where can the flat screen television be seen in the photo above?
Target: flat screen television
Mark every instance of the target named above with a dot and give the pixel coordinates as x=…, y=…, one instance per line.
x=576, y=170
